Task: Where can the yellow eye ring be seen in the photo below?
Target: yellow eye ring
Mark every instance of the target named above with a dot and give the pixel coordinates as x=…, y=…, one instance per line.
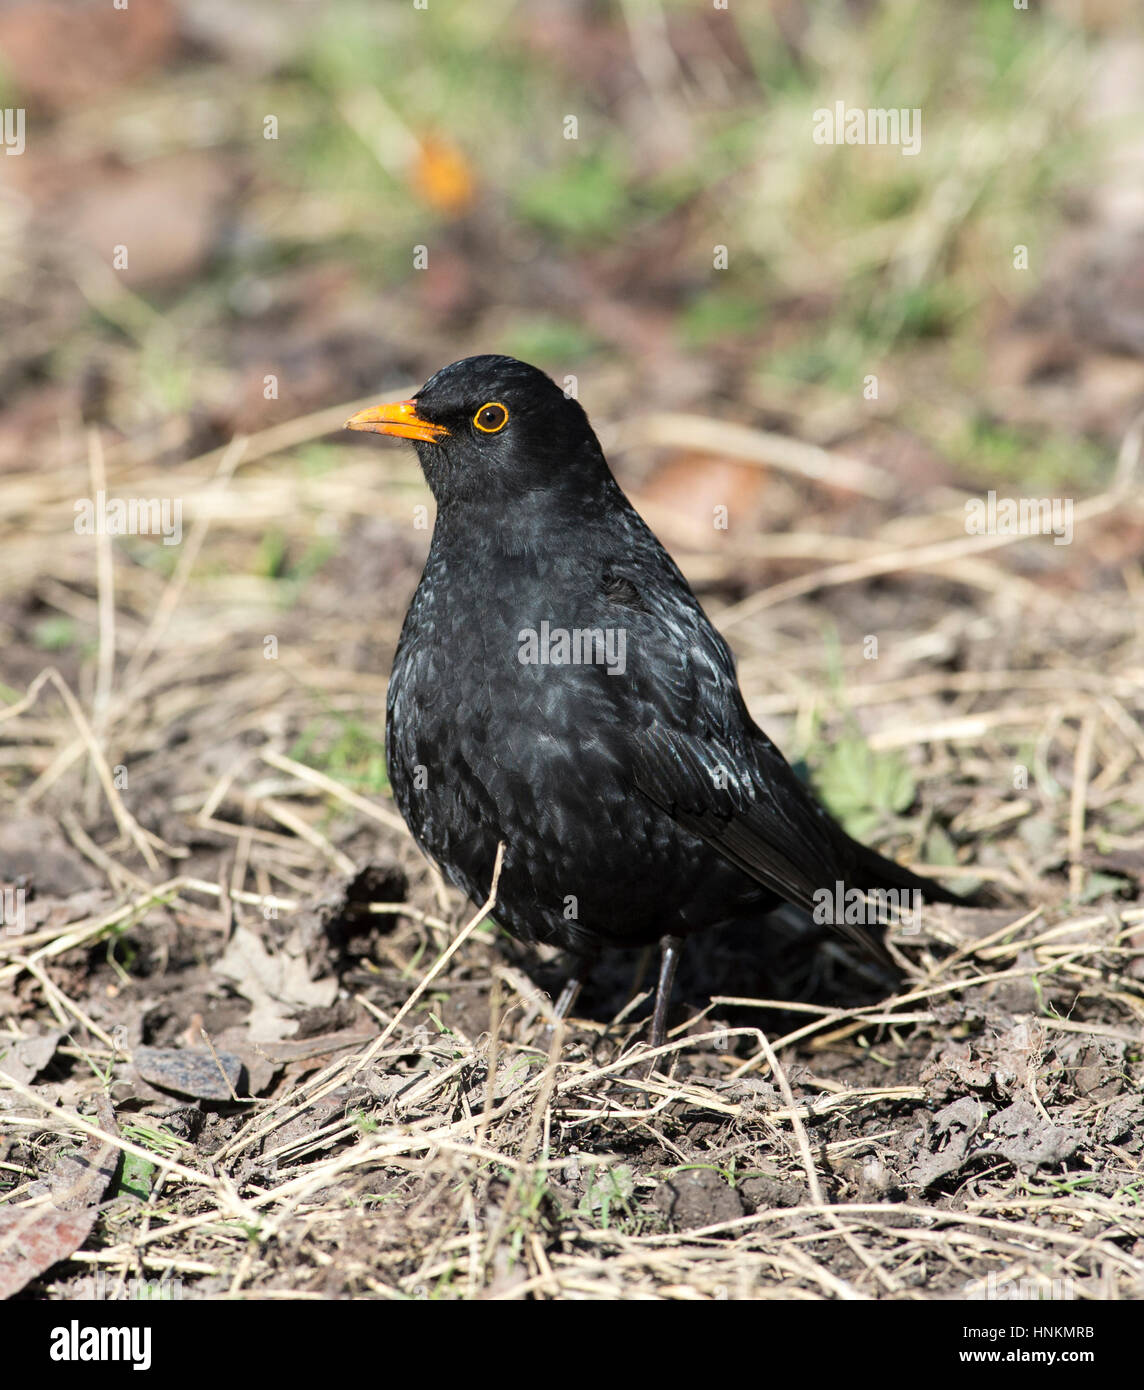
x=491, y=417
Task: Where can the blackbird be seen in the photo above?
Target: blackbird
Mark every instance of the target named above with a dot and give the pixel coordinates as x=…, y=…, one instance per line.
x=558, y=688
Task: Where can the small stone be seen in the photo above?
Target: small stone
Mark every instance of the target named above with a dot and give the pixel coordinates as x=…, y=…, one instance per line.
x=190, y=1073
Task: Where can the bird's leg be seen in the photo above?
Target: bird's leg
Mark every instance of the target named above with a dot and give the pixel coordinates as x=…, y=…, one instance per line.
x=568, y=995
x=571, y=991
x=669, y=958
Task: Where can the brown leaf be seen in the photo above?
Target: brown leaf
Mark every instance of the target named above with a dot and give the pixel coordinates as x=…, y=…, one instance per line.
x=277, y=985
x=80, y=1177
x=27, y=1057
x=65, y=54
x=32, y=1239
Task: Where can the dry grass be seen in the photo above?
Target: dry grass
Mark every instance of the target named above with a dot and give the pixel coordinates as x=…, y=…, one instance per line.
x=417, y=1137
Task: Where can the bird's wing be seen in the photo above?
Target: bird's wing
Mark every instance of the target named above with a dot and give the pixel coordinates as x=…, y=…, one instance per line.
x=756, y=816
x=691, y=748
x=749, y=806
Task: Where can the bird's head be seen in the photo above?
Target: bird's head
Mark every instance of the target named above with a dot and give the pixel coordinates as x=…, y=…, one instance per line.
x=493, y=428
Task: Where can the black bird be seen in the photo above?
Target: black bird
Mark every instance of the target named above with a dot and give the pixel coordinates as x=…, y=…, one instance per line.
x=558, y=687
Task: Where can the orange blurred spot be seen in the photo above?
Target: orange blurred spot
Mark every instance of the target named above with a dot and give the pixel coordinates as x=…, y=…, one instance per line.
x=442, y=176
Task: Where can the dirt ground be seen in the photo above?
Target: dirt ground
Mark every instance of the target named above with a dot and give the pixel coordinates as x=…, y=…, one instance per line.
x=250, y=1046
x=317, y=1087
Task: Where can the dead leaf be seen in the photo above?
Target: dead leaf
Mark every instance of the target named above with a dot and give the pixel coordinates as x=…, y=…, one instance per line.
x=66, y=54
x=955, y=1069
x=25, y=1058
x=957, y=1124
x=79, y=1177
x=35, y=1238
x=322, y=1045
x=1020, y=1134
x=33, y=1235
x=277, y=985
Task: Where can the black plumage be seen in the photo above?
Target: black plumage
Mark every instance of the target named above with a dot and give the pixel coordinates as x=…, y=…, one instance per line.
x=637, y=799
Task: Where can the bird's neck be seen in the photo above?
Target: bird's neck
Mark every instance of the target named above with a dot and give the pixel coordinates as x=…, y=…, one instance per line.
x=543, y=521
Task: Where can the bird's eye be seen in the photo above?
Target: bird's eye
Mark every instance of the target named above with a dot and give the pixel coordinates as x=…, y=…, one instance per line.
x=491, y=417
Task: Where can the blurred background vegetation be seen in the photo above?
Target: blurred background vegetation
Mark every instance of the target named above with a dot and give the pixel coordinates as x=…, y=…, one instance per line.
x=445, y=127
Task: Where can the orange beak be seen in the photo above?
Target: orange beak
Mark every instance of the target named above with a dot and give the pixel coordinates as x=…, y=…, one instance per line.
x=399, y=418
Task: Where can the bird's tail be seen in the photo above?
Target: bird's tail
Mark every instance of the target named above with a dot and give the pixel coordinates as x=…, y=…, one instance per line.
x=873, y=870
x=872, y=873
